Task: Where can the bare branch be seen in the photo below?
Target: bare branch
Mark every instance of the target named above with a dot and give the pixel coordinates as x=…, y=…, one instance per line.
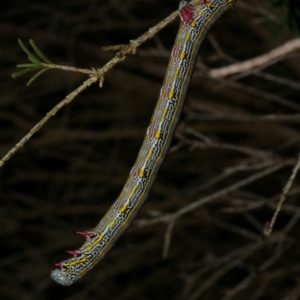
x=269, y=226
x=258, y=62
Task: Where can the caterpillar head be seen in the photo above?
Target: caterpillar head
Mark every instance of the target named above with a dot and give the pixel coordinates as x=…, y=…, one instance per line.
x=63, y=278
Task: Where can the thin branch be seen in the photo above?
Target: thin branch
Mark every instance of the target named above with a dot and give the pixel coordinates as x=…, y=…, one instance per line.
x=168, y=239
x=269, y=226
x=50, y=114
x=258, y=62
x=70, y=69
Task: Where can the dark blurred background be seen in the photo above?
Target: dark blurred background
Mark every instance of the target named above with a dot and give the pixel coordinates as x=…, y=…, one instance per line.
x=67, y=176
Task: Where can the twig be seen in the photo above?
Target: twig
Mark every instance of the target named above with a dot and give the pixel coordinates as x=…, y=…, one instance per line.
x=257, y=62
x=70, y=69
x=168, y=239
x=50, y=114
x=269, y=226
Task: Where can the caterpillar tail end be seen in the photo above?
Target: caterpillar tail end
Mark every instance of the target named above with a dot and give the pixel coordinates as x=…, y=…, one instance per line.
x=63, y=278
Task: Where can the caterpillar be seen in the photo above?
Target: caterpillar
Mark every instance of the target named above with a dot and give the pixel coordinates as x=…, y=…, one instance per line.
x=195, y=22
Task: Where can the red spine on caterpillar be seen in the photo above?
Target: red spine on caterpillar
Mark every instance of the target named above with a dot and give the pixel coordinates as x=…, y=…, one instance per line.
x=186, y=12
x=73, y=252
x=86, y=233
x=59, y=264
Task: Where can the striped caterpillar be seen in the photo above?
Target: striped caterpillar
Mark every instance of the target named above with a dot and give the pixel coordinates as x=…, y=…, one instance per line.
x=195, y=22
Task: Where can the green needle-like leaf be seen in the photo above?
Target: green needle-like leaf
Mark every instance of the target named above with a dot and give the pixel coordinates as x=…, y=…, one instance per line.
x=26, y=65
x=36, y=76
x=25, y=71
x=39, y=52
x=24, y=48
x=34, y=60
x=36, y=63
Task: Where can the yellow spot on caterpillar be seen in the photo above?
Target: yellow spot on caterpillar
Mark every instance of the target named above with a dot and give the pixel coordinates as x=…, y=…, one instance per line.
x=208, y=4
x=170, y=93
x=123, y=208
x=182, y=54
x=157, y=134
x=193, y=24
x=200, y=12
x=141, y=172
